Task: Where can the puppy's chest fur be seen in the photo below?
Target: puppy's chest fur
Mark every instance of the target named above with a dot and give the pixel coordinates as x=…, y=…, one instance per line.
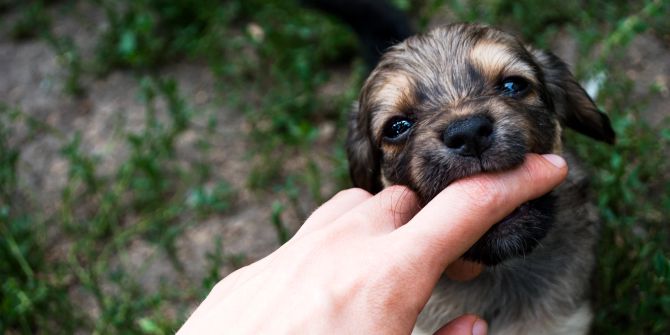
x=544, y=292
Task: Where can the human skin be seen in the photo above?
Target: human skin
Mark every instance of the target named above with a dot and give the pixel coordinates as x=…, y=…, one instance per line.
x=364, y=264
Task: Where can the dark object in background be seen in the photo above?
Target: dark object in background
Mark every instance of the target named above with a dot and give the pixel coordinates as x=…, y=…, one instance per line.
x=378, y=24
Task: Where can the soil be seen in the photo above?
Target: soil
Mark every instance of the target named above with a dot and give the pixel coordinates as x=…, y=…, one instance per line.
x=31, y=79
x=32, y=76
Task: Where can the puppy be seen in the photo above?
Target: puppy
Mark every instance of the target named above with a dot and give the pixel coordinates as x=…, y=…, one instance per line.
x=465, y=99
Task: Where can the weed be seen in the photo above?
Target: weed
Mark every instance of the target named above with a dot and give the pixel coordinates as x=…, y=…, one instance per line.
x=271, y=59
x=32, y=22
x=149, y=197
x=282, y=232
x=291, y=56
x=28, y=293
x=69, y=56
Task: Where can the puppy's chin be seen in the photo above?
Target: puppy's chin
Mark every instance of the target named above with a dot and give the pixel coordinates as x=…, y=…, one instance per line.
x=516, y=235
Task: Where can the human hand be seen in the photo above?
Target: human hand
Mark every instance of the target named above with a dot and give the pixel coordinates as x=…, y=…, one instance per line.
x=367, y=264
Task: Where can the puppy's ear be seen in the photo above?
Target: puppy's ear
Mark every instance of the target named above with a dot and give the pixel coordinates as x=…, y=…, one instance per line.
x=574, y=106
x=363, y=156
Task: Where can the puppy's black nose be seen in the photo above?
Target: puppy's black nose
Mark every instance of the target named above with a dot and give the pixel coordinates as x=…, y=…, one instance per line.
x=470, y=136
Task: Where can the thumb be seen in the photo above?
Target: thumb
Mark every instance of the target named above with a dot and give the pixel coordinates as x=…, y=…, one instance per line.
x=464, y=325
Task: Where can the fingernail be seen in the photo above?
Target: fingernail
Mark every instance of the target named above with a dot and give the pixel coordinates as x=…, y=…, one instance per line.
x=555, y=160
x=479, y=327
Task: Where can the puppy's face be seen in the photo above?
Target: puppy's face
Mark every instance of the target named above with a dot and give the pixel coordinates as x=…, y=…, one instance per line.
x=461, y=100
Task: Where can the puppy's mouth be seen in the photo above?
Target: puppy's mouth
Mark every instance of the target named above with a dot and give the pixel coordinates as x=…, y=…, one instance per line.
x=516, y=235
x=519, y=212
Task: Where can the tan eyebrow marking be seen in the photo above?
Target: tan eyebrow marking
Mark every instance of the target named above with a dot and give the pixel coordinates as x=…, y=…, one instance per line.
x=394, y=87
x=395, y=92
x=496, y=59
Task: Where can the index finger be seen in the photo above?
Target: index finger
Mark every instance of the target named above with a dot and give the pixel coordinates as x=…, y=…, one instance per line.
x=457, y=217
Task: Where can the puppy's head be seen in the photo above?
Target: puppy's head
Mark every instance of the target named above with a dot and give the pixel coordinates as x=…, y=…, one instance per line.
x=461, y=100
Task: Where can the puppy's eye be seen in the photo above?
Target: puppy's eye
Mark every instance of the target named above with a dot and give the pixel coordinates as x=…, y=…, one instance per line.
x=397, y=128
x=513, y=86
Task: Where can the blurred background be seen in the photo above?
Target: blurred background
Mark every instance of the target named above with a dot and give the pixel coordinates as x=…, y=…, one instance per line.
x=150, y=147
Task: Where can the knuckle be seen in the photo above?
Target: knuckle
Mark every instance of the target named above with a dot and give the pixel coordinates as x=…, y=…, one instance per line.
x=396, y=189
x=359, y=219
x=529, y=173
x=397, y=203
x=229, y=281
x=354, y=193
x=397, y=198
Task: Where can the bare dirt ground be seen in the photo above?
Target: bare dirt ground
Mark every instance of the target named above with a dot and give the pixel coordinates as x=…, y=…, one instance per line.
x=30, y=78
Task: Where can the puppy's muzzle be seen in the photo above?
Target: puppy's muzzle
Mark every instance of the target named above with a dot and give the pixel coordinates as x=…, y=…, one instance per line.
x=469, y=137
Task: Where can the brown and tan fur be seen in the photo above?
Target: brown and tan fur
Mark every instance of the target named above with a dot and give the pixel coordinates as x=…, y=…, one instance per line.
x=540, y=257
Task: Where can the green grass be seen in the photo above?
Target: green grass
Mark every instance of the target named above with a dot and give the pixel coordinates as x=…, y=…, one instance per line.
x=270, y=59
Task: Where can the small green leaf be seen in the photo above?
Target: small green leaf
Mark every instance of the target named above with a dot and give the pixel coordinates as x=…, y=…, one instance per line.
x=128, y=43
x=148, y=326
